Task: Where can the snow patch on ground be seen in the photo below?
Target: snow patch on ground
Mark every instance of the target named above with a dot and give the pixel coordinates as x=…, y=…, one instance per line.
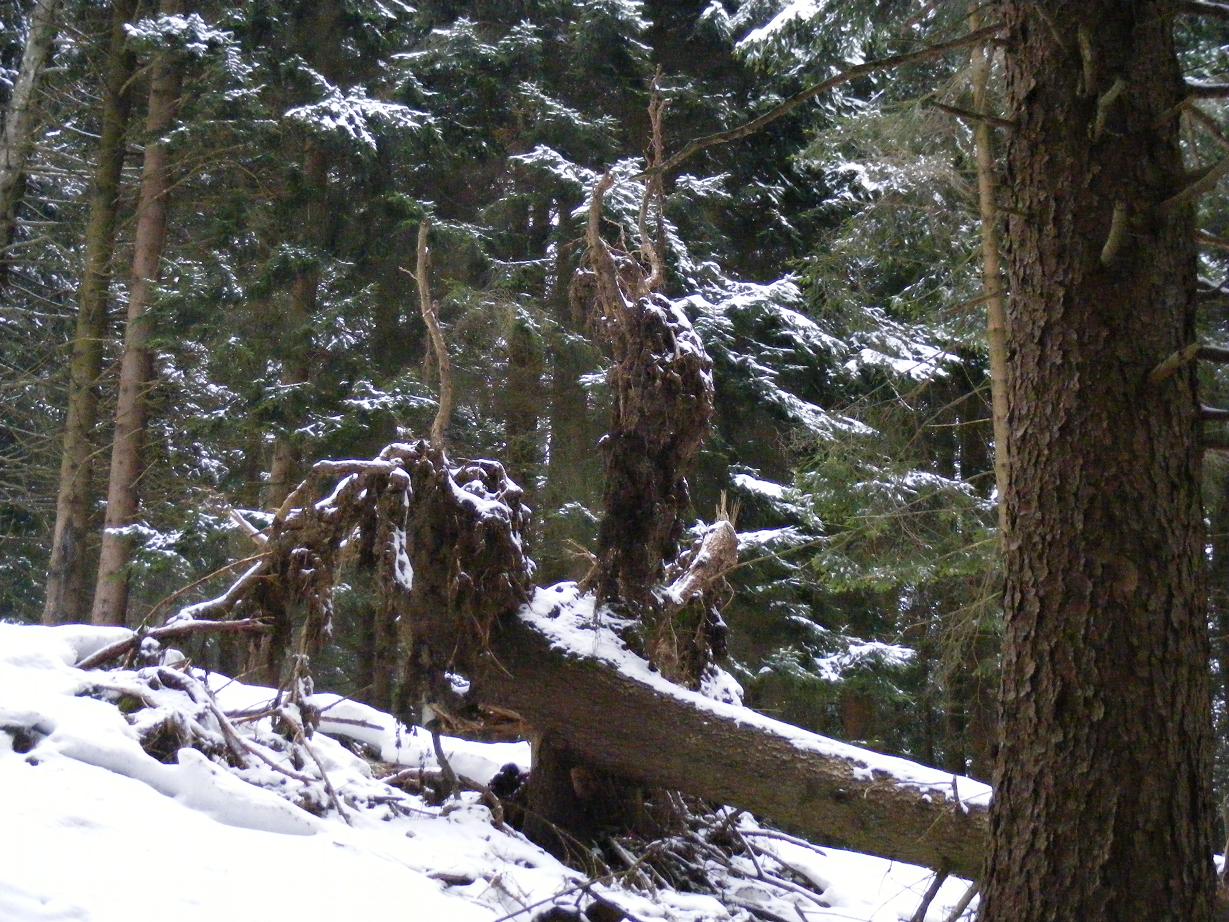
x=97, y=830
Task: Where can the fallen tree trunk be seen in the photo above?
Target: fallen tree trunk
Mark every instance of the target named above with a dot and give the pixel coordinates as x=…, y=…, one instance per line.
x=454, y=553
x=661, y=734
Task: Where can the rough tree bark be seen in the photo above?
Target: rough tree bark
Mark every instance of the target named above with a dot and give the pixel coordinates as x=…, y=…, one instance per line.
x=67, y=597
x=136, y=371
x=1102, y=808
x=17, y=130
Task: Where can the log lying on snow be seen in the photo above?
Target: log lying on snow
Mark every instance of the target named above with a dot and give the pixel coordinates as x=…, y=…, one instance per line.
x=570, y=678
x=611, y=710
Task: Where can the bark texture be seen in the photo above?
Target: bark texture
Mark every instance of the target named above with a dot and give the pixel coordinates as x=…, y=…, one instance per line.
x=1103, y=808
x=136, y=367
x=67, y=597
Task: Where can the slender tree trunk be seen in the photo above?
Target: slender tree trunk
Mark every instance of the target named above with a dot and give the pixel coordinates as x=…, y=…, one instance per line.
x=17, y=132
x=992, y=278
x=1218, y=603
x=1102, y=806
x=67, y=596
x=522, y=402
x=136, y=371
x=304, y=290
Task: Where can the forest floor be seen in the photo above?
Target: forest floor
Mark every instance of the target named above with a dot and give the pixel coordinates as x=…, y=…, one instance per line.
x=169, y=794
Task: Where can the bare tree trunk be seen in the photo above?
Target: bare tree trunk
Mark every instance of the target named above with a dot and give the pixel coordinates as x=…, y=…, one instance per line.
x=67, y=596
x=522, y=402
x=1103, y=807
x=136, y=371
x=17, y=132
x=992, y=275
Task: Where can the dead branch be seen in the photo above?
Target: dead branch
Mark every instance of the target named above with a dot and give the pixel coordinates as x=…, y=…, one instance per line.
x=1209, y=124
x=179, y=629
x=1184, y=356
x=963, y=903
x=300, y=736
x=1203, y=181
x=246, y=527
x=430, y=316
x=652, y=245
x=1214, y=414
x=1118, y=233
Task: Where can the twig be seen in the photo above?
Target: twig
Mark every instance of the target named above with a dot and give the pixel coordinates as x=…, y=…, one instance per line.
x=931, y=892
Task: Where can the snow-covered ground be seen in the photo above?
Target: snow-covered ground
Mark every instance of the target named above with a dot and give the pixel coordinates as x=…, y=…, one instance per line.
x=93, y=828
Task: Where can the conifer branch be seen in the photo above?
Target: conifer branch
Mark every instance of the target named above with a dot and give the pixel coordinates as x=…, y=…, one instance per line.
x=747, y=129
x=1203, y=181
x=969, y=115
x=1200, y=90
x=1201, y=8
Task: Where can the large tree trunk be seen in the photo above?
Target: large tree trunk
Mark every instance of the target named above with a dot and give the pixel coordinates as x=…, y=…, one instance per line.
x=1102, y=808
x=67, y=596
x=136, y=371
x=17, y=131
